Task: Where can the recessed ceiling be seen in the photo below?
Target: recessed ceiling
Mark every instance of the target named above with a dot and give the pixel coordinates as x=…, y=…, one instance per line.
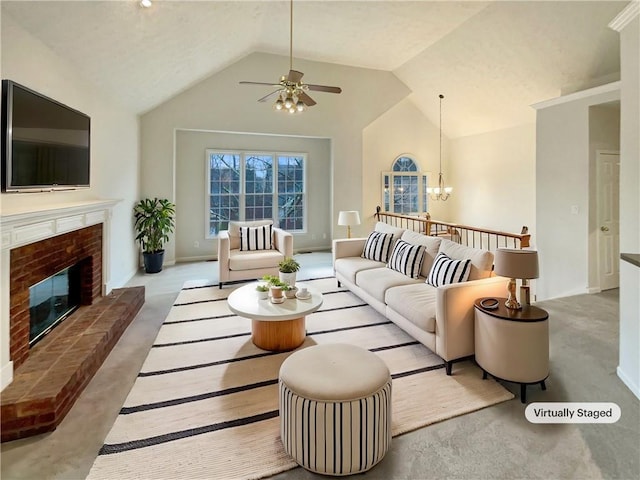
x=491, y=60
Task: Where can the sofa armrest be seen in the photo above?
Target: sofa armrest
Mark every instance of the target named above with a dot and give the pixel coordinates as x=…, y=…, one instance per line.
x=455, y=314
x=347, y=247
x=283, y=241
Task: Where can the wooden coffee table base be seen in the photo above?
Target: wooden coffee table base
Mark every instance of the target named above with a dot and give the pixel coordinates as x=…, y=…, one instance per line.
x=278, y=336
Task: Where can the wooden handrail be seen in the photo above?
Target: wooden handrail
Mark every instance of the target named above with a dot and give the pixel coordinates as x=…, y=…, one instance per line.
x=476, y=237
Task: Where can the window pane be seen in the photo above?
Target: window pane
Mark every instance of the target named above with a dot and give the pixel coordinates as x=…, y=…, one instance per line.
x=291, y=192
x=425, y=195
x=224, y=189
x=405, y=193
x=404, y=164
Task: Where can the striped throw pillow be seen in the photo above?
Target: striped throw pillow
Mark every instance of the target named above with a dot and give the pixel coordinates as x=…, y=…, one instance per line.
x=255, y=238
x=406, y=258
x=377, y=246
x=446, y=270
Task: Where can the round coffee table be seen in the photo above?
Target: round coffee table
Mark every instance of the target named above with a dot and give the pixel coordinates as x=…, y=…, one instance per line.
x=276, y=327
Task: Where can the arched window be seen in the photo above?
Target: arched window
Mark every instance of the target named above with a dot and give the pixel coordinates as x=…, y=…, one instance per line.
x=404, y=188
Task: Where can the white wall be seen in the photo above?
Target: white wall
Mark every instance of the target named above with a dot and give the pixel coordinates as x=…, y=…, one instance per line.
x=191, y=188
x=629, y=367
x=220, y=104
x=494, y=179
x=562, y=191
x=114, y=147
x=403, y=130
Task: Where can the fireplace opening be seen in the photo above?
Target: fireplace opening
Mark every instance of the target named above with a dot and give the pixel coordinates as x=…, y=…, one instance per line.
x=52, y=300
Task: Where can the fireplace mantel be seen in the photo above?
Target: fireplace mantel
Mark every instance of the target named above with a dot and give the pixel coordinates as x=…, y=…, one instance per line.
x=20, y=226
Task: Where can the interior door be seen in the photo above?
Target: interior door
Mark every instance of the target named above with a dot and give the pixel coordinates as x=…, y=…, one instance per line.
x=608, y=184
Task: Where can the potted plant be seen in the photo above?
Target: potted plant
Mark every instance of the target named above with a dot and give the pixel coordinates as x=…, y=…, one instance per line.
x=287, y=269
x=154, y=221
x=263, y=291
x=290, y=290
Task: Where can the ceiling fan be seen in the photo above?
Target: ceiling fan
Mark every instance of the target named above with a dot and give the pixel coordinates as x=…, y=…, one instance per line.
x=291, y=92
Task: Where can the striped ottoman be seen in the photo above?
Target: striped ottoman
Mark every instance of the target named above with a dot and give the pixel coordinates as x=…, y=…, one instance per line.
x=335, y=408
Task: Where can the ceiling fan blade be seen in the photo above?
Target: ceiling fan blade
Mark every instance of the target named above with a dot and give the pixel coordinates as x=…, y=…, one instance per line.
x=260, y=83
x=306, y=99
x=265, y=98
x=324, y=88
x=295, y=76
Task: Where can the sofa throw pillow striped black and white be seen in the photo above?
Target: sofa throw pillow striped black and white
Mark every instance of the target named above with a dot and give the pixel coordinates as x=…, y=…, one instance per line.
x=446, y=270
x=407, y=258
x=255, y=238
x=378, y=246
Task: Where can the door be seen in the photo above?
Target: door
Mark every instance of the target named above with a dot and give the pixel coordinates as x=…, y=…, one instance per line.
x=608, y=182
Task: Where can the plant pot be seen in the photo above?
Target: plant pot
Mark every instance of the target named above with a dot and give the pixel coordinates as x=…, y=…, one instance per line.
x=289, y=278
x=263, y=295
x=153, y=261
x=291, y=293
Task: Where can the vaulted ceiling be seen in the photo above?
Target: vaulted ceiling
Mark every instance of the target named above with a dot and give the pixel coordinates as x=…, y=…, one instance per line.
x=490, y=59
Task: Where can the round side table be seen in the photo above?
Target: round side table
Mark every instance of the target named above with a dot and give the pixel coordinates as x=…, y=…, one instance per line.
x=512, y=345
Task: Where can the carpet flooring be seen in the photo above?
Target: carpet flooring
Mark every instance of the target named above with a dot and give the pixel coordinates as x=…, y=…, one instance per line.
x=204, y=404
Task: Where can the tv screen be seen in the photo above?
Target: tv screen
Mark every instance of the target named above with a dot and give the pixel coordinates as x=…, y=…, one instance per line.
x=45, y=144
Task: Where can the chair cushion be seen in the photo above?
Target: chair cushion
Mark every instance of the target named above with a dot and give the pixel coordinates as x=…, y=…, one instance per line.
x=378, y=246
x=416, y=303
x=446, y=271
x=256, y=238
x=481, y=260
x=234, y=230
x=406, y=258
x=254, y=259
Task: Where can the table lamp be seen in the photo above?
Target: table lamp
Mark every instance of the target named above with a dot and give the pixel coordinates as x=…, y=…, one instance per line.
x=513, y=264
x=348, y=218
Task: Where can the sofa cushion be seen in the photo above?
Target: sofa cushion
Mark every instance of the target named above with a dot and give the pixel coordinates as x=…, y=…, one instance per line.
x=446, y=271
x=416, y=303
x=376, y=281
x=406, y=258
x=256, y=238
x=348, y=267
x=253, y=259
x=431, y=244
x=234, y=230
x=378, y=246
x=481, y=260
x=385, y=228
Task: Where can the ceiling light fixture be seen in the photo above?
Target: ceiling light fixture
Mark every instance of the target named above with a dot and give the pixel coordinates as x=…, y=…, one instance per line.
x=145, y=3
x=440, y=192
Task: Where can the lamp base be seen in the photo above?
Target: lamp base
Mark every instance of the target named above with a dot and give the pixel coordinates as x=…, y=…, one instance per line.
x=512, y=301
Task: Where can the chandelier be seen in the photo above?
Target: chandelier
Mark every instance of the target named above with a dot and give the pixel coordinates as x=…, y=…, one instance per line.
x=441, y=192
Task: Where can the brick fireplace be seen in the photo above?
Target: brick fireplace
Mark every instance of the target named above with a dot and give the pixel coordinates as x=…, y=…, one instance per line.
x=32, y=263
x=41, y=383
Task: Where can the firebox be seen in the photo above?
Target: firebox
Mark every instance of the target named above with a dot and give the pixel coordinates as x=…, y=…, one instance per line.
x=52, y=300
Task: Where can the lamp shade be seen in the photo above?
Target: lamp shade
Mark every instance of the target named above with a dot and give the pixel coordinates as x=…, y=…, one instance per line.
x=514, y=263
x=348, y=218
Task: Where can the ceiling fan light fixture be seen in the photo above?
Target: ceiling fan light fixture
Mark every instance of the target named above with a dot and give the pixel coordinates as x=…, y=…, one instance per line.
x=300, y=106
x=279, y=105
x=288, y=103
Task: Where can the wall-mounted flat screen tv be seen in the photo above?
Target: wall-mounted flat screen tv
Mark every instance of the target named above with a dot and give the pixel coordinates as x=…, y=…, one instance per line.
x=45, y=144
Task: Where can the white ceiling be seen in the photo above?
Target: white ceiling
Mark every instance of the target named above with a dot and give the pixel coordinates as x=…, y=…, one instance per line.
x=491, y=60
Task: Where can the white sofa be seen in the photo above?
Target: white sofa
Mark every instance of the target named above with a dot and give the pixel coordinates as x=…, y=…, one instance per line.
x=235, y=264
x=440, y=318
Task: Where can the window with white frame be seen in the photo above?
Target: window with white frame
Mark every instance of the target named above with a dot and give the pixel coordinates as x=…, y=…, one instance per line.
x=404, y=188
x=255, y=186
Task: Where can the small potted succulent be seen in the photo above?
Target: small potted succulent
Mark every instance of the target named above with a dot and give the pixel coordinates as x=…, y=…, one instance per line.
x=290, y=290
x=287, y=269
x=263, y=291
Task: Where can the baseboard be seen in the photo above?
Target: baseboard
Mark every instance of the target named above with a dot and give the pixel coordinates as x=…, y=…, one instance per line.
x=203, y=258
x=593, y=290
x=7, y=375
x=635, y=389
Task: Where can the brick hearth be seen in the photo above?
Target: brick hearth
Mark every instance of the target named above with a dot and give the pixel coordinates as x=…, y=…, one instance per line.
x=59, y=367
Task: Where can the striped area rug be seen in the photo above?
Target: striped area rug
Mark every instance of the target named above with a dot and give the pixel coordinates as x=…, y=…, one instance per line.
x=205, y=404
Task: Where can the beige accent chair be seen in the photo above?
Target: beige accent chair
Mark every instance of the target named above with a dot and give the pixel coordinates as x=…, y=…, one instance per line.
x=234, y=265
